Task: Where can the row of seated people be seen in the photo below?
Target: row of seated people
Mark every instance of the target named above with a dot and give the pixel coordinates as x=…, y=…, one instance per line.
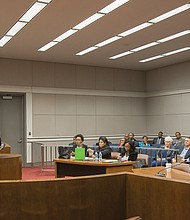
x=169, y=147
x=128, y=148
x=127, y=151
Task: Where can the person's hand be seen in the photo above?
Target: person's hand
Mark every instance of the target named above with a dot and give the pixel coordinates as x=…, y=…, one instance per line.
x=90, y=152
x=119, y=158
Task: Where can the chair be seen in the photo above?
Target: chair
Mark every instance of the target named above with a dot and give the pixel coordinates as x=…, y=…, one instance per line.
x=143, y=157
x=114, y=155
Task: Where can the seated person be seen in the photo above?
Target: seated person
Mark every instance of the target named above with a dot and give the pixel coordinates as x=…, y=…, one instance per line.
x=104, y=148
x=128, y=152
x=144, y=142
x=159, y=139
x=79, y=139
x=185, y=152
x=122, y=142
x=165, y=154
x=132, y=138
x=178, y=141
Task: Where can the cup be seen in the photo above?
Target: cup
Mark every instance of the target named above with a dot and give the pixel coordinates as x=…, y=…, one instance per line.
x=168, y=167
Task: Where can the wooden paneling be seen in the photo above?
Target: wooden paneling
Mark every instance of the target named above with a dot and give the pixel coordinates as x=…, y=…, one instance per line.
x=157, y=198
x=10, y=167
x=73, y=199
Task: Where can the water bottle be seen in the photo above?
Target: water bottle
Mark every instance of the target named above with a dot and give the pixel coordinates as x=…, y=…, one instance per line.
x=96, y=156
x=100, y=157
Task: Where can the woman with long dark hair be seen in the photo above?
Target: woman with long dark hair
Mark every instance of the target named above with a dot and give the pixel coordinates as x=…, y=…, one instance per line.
x=128, y=152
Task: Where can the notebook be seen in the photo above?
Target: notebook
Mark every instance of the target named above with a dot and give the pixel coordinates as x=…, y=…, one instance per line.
x=79, y=153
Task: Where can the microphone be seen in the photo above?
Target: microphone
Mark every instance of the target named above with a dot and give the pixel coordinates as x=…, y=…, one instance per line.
x=166, y=168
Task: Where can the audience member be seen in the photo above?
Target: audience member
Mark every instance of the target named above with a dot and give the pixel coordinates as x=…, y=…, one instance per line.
x=122, y=142
x=128, y=152
x=185, y=152
x=159, y=139
x=144, y=142
x=178, y=141
x=104, y=148
x=166, y=154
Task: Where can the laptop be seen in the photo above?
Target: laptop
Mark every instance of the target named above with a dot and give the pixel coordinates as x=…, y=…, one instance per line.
x=79, y=153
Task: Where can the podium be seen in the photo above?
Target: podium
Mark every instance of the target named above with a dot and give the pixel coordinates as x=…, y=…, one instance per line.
x=10, y=167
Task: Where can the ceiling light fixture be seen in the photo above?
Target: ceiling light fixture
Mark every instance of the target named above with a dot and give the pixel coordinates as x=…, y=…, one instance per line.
x=145, y=46
x=113, y=6
x=180, y=34
x=108, y=41
x=145, y=25
x=165, y=54
x=65, y=35
x=135, y=29
x=121, y=55
x=150, y=59
x=33, y=11
x=4, y=40
x=109, y=8
x=86, y=51
x=170, y=13
x=16, y=28
x=88, y=21
x=37, y=7
x=47, y=46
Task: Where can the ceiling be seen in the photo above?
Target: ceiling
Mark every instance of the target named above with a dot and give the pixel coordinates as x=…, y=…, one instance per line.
x=61, y=15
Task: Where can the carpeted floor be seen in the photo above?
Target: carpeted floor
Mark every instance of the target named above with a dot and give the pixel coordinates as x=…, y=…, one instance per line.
x=34, y=173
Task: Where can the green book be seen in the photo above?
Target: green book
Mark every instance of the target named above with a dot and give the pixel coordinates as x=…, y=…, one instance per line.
x=79, y=153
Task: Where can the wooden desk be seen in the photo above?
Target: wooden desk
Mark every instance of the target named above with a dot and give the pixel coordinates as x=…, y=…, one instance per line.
x=174, y=174
x=70, y=167
x=6, y=149
x=10, y=167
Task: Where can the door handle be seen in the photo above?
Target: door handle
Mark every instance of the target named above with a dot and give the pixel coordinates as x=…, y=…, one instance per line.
x=20, y=141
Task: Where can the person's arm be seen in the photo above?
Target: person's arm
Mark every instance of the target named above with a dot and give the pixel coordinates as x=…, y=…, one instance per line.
x=106, y=152
x=133, y=156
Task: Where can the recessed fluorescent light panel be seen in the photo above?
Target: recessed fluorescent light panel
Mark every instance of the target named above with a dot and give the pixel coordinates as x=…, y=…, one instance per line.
x=33, y=11
x=4, y=40
x=151, y=58
x=144, y=46
x=88, y=21
x=108, y=41
x=165, y=54
x=36, y=8
x=170, y=13
x=65, y=35
x=176, y=51
x=121, y=55
x=143, y=26
x=16, y=28
x=180, y=34
x=135, y=29
x=109, y=8
x=86, y=51
x=113, y=6
x=47, y=46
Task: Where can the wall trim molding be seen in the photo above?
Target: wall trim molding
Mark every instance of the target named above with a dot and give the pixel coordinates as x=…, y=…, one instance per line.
x=64, y=91
x=88, y=92
x=167, y=93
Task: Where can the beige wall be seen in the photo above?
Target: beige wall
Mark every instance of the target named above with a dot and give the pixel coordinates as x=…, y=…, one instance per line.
x=58, y=114
x=168, y=102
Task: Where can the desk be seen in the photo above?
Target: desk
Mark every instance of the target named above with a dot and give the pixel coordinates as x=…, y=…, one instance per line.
x=70, y=167
x=6, y=149
x=174, y=174
x=10, y=167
